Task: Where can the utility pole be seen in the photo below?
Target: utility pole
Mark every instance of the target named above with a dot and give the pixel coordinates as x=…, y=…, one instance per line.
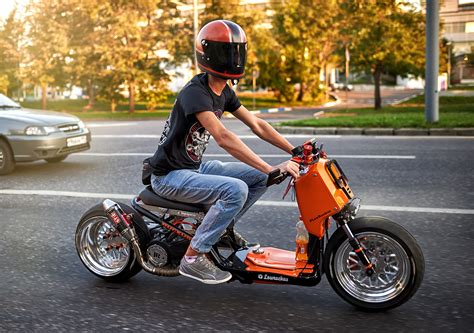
x=195, y=9
x=432, y=62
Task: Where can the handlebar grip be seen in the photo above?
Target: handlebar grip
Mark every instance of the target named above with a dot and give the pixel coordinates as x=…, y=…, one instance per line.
x=276, y=177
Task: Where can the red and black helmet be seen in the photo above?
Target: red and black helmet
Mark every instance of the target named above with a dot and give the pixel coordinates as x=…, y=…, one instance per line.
x=221, y=49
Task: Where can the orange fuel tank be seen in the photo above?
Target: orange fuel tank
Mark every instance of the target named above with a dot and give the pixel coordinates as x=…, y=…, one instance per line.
x=321, y=192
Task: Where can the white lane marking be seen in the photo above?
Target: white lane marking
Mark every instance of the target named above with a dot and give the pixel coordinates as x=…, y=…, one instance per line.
x=382, y=208
x=68, y=194
x=153, y=136
x=393, y=157
x=125, y=136
x=258, y=203
x=297, y=136
x=415, y=137
x=96, y=125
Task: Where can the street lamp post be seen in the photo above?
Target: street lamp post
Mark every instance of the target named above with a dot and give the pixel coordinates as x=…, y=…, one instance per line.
x=432, y=62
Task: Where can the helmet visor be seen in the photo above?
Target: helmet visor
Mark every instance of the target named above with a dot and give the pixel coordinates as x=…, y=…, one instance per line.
x=226, y=57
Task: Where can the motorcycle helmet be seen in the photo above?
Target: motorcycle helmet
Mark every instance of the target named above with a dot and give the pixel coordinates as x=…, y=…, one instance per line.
x=221, y=49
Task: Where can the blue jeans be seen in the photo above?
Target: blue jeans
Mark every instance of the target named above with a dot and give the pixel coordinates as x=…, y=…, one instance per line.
x=231, y=188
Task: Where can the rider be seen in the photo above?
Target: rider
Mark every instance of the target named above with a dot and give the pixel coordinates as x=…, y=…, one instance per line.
x=229, y=188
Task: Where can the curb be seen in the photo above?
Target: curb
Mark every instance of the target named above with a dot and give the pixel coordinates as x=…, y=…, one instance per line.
x=376, y=131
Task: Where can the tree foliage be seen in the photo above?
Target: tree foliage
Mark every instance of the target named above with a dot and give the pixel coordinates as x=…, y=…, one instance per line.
x=305, y=38
x=385, y=36
x=121, y=49
x=11, y=34
x=46, y=46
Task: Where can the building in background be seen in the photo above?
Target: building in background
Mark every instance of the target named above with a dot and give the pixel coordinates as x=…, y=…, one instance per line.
x=458, y=28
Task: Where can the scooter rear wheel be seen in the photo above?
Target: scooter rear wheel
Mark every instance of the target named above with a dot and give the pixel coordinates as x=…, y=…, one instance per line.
x=398, y=261
x=102, y=249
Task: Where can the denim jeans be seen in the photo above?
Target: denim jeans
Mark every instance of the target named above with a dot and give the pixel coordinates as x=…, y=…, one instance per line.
x=231, y=188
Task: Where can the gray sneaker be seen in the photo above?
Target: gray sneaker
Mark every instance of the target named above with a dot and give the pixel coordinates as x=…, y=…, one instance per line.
x=203, y=270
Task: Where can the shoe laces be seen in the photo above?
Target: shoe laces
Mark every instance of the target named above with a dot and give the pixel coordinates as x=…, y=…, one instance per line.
x=206, y=262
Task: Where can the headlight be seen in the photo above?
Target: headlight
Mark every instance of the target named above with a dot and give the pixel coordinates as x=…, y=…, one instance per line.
x=81, y=124
x=39, y=130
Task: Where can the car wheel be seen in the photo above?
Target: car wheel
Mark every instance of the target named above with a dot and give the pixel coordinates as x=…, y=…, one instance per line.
x=7, y=161
x=56, y=159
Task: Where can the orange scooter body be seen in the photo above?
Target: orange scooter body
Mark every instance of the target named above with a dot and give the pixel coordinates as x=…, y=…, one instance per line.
x=322, y=192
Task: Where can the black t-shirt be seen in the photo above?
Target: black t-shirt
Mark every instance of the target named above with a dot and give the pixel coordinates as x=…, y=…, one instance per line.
x=184, y=139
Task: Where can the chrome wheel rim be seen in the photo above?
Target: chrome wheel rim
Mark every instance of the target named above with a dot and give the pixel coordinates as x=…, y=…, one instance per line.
x=392, y=268
x=101, y=247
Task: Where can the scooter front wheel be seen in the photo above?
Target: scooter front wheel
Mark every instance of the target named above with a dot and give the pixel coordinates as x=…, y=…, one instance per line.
x=395, y=254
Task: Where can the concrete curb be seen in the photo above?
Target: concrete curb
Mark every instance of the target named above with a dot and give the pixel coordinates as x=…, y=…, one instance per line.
x=376, y=131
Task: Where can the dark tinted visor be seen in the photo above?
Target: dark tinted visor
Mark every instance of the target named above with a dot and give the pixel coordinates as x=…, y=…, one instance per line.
x=226, y=57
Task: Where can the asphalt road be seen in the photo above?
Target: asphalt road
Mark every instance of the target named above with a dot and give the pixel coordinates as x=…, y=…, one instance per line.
x=44, y=287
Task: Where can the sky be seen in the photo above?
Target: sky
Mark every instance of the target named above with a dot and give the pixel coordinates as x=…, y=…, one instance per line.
x=6, y=6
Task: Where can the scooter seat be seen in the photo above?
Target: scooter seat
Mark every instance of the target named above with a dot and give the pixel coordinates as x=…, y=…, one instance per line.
x=151, y=198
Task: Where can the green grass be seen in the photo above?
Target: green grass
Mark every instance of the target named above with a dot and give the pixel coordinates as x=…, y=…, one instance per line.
x=443, y=100
x=461, y=87
x=393, y=117
x=101, y=109
x=78, y=105
x=70, y=105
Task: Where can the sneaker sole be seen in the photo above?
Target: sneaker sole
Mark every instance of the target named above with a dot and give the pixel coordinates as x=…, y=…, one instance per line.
x=206, y=281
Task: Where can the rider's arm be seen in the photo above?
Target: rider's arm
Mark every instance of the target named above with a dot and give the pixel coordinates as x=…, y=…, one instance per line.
x=236, y=147
x=262, y=129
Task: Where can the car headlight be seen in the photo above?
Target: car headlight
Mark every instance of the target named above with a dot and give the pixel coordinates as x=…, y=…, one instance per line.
x=39, y=130
x=81, y=124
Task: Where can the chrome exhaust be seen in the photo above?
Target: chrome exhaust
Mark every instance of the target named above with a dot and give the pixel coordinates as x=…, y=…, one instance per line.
x=125, y=226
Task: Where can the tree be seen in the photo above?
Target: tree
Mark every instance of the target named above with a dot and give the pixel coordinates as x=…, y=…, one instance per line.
x=47, y=45
x=83, y=61
x=135, y=35
x=306, y=35
x=385, y=36
x=11, y=33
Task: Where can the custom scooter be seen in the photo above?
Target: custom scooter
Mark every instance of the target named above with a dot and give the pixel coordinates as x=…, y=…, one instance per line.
x=371, y=262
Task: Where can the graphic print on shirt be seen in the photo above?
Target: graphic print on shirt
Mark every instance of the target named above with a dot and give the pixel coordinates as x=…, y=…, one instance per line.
x=166, y=130
x=198, y=139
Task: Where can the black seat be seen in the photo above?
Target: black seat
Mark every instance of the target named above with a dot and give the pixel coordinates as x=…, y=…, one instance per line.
x=151, y=198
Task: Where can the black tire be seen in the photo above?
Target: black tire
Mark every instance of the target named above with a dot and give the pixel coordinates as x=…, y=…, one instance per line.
x=7, y=160
x=399, y=271
x=56, y=159
x=130, y=265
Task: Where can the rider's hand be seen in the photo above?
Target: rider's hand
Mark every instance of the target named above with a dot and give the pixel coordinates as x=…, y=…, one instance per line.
x=291, y=167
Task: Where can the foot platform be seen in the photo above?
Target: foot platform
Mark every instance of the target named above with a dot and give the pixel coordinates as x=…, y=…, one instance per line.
x=277, y=261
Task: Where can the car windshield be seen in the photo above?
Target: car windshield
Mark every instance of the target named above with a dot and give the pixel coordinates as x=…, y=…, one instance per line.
x=7, y=103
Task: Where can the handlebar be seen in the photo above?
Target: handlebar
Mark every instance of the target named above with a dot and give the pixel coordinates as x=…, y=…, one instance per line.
x=306, y=154
x=276, y=177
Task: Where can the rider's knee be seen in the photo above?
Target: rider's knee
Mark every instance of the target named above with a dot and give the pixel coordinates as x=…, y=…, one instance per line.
x=237, y=192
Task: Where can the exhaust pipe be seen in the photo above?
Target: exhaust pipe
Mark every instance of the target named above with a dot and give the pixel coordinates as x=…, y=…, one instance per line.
x=125, y=226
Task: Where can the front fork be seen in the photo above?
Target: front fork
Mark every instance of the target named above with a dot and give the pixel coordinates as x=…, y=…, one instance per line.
x=346, y=215
x=357, y=247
